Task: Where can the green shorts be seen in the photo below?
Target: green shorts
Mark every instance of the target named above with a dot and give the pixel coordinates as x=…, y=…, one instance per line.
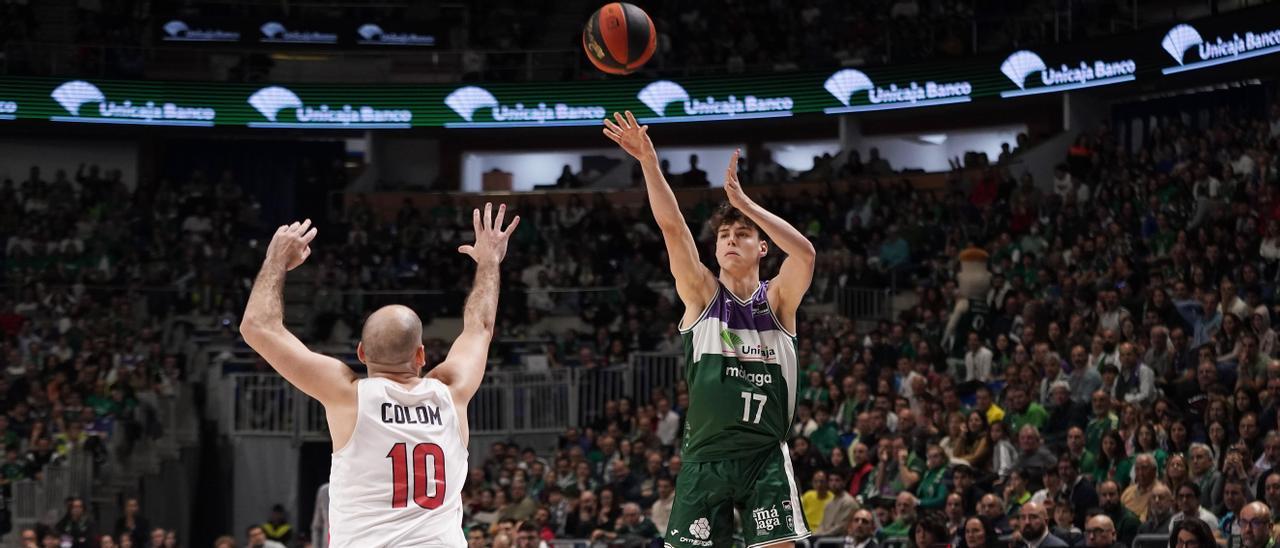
x=761, y=487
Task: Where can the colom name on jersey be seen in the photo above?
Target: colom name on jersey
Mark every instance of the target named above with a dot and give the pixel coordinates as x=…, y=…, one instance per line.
x=402, y=414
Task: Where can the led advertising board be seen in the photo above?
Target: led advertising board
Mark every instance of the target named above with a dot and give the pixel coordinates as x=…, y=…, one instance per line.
x=1155, y=55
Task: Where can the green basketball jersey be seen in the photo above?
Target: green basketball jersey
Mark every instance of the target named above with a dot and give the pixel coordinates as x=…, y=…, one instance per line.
x=740, y=365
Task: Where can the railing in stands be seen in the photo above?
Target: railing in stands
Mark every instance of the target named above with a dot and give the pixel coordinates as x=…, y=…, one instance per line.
x=865, y=303
x=34, y=501
x=508, y=402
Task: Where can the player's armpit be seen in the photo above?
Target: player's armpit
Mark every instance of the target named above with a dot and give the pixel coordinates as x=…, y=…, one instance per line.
x=791, y=283
x=694, y=283
x=322, y=377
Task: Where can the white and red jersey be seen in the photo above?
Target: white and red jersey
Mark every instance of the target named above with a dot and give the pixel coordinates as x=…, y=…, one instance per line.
x=398, y=482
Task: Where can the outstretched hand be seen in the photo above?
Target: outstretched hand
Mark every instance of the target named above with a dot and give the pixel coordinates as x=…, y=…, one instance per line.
x=491, y=238
x=291, y=244
x=732, y=187
x=630, y=135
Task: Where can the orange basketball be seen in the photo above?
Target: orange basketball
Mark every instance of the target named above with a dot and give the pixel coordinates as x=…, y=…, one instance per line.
x=619, y=38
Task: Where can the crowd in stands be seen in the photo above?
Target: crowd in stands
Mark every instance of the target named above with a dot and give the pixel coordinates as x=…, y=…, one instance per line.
x=1127, y=382
x=91, y=269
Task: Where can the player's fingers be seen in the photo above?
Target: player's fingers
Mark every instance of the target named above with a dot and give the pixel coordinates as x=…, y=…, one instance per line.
x=515, y=221
x=612, y=126
x=465, y=249
x=631, y=119
x=293, y=227
x=487, y=218
x=502, y=213
x=306, y=224
x=306, y=253
x=310, y=235
x=621, y=121
x=475, y=220
x=612, y=137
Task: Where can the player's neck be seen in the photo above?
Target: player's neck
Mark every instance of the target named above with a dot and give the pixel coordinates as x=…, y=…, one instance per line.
x=400, y=377
x=742, y=284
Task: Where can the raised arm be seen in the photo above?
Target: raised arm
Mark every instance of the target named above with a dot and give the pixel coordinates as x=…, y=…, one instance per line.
x=694, y=283
x=789, y=286
x=463, y=368
x=319, y=376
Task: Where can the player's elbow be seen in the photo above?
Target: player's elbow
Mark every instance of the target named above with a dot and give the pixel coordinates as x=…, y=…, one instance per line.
x=252, y=330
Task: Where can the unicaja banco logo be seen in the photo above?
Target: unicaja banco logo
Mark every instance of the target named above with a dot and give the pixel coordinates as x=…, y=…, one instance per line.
x=371, y=33
x=274, y=31
x=8, y=110
x=469, y=102
x=75, y=95
x=1182, y=39
x=730, y=339
x=660, y=95
x=274, y=102
x=845, y=83
x=176, y=30
x=1022, y=67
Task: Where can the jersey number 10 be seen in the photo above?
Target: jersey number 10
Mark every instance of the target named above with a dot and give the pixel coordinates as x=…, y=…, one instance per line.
x=428, y=481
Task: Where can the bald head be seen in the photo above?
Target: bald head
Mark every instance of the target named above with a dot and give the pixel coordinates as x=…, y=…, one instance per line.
x=391, y=338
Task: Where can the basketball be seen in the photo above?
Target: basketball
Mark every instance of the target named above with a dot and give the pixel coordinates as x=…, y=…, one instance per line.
x=619, y=38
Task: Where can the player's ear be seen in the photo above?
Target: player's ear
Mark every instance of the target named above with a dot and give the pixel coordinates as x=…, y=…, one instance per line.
x=420, y=357
x=360, y=352
x=764, y=248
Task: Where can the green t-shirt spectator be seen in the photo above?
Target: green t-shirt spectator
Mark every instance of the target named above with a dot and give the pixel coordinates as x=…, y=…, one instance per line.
x=932, y=491
x=825, y=438
x=1035, y=415
x=1096, y=428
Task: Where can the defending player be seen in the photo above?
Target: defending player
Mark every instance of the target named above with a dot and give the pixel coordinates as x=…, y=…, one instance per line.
x=740, y=362
x=399, y=440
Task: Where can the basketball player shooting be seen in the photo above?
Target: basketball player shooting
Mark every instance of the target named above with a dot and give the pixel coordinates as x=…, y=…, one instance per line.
x=399, y=439
x=740, y=351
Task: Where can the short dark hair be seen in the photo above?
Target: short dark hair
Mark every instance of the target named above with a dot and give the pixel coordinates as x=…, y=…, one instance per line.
x=1197, y=527
x=1192, y=486
x=726, y=214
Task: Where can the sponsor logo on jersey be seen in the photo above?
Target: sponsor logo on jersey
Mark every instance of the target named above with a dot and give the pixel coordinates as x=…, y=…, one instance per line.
x=758, y=379
x=735, y=346
x=700, y=529
x=766, y=519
